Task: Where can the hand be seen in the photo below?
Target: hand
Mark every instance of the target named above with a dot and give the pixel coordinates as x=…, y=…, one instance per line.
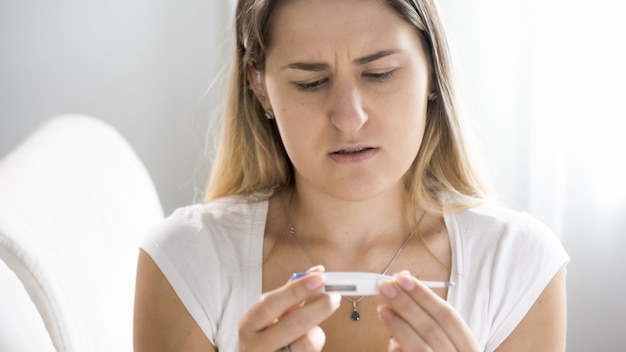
x=420, y=320
x=289, y=316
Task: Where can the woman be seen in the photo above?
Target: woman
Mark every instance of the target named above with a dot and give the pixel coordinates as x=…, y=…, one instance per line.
x=341, y=151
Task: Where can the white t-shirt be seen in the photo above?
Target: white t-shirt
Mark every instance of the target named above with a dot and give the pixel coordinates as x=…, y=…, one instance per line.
x=212, y=255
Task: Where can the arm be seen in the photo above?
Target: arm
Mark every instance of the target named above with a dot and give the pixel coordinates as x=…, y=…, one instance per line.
x=161, y=322
x=544, y=326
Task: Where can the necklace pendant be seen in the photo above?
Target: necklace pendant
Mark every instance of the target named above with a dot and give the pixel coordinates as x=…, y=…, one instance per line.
x=355, y=313
x=355, y=316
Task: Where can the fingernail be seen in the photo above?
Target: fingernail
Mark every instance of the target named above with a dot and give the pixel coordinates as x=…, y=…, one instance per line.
x=387, y=289
x=318, y=268
x=405, y=281
x=385, y=313
x=335, y=299
x=393, y=344
x=296, y=276
x=314, y=282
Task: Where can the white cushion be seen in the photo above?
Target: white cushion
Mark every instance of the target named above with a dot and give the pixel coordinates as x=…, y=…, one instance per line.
x=21, y=326
x=76, y=200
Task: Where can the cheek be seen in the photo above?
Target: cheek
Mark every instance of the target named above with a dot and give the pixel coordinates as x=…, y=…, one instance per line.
x=296, y=117
x=411, y=138
x=408, y=110
x=297, y=129
x=408, y=126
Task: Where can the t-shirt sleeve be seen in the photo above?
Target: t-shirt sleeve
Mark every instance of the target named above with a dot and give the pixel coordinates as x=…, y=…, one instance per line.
x=212, y=256
x=525, y=259
x=176, y=246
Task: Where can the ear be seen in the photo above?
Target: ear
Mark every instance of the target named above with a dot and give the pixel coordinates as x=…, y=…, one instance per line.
x=433, y=84
x=257, y=84
x=433, y=87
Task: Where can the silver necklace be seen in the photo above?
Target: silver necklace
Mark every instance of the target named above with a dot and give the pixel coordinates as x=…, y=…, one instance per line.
x=355, y=316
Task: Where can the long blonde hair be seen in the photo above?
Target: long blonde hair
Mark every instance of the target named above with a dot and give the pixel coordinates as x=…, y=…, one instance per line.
x=251, y=157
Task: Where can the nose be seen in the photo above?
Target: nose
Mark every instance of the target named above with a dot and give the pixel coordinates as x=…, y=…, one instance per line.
x=347, y=112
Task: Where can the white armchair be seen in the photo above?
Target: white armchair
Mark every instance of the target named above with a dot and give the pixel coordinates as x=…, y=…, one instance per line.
x=75, y=201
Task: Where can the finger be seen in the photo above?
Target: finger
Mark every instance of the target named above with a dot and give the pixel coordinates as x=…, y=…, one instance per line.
x=313, y=340
x=411, y=319
x=274, y=304
x=314, y=269
x=431, y=316
x=295, y=325
x=445, y=315
x=393, y=345
x=411, y=338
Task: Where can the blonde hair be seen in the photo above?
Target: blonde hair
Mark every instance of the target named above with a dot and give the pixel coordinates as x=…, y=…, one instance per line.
x=251, y=157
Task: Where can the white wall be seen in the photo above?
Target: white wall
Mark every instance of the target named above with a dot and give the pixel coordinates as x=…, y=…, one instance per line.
x=143, y=66
x=545, y=83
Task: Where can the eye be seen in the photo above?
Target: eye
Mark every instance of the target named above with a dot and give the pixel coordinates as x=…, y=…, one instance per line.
x=309, y=86
x=379, y=76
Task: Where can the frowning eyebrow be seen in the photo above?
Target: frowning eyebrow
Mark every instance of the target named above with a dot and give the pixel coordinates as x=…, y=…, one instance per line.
x=308, y=66
x=321, y=66
x=370, y=58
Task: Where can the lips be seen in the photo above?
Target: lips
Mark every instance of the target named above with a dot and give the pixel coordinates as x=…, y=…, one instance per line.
x=353, y=154
x=352, y=151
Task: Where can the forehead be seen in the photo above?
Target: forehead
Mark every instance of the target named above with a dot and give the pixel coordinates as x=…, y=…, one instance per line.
x=307, y=26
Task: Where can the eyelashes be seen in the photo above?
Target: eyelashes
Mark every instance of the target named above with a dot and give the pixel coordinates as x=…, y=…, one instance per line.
x=308, y=86
x=320, y=83
x=379, y=76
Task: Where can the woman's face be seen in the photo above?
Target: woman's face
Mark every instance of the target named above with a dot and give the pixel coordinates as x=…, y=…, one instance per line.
x=348, y=82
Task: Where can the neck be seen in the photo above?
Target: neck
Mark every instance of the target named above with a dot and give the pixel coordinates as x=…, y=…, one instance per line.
x=329, y=221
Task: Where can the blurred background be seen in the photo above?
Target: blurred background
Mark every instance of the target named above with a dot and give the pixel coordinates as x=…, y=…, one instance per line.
x=143, y=66
x=542, y=82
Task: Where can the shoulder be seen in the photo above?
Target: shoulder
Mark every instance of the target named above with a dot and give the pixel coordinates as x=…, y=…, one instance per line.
x=225, y=216
x=495, y=216
x=203, y=251
x=503, y=240
x=194, y=241
x=502, y=261
x=493, y=226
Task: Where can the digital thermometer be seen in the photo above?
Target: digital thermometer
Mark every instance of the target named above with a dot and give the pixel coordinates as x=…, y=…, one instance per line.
x=361, y=283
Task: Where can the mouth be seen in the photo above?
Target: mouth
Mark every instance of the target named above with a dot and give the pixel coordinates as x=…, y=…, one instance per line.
x=353, y=155
x=352, y=151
